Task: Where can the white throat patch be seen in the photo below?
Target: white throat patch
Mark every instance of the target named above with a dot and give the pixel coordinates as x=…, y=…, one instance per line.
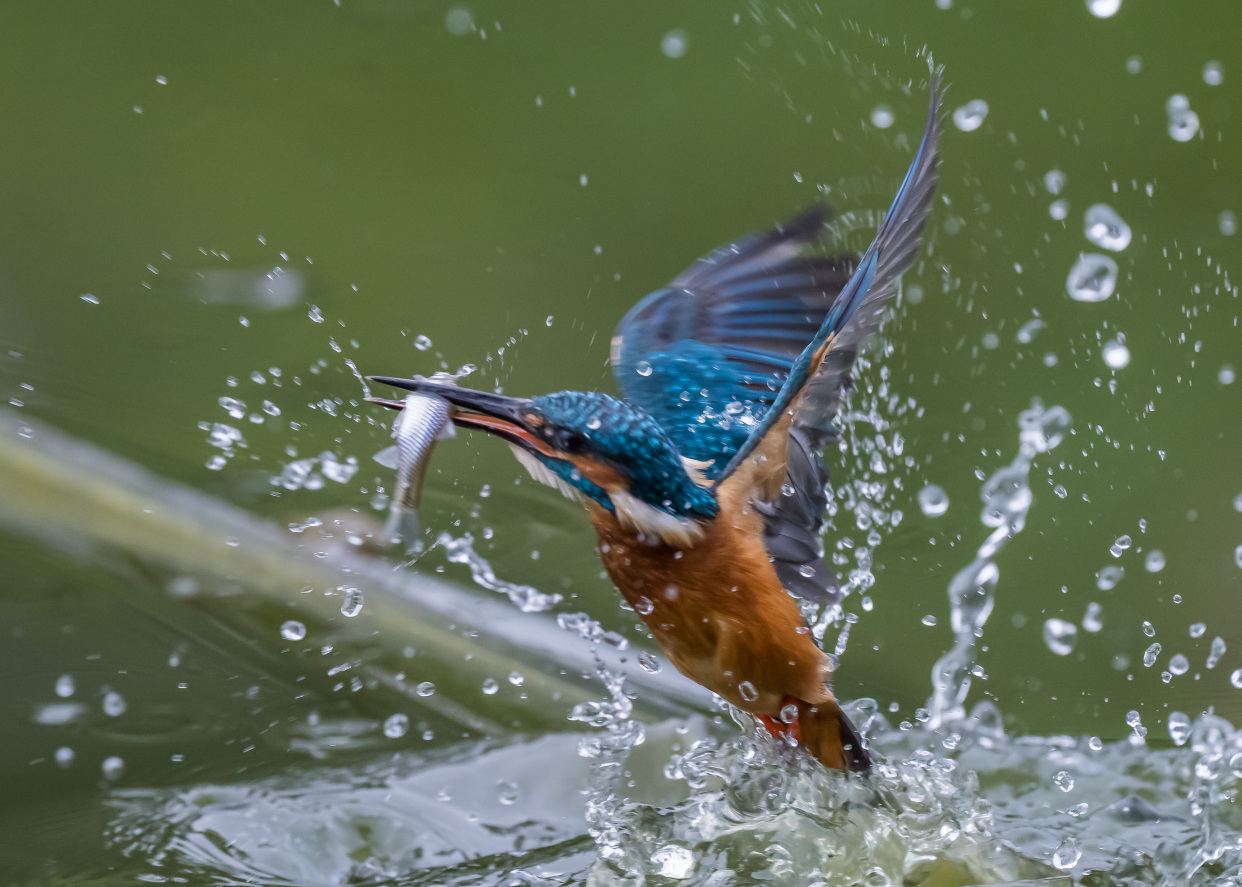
x=544, y=475
x=636, y=514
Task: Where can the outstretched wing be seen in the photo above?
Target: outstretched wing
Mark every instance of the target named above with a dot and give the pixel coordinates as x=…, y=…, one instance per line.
x=779, y=455
x=707, y=354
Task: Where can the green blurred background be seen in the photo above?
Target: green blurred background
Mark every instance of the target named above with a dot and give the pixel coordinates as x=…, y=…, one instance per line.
x=506, y=180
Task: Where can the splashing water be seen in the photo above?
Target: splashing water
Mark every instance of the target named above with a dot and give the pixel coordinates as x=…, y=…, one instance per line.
x=461, y=551
x=1006, y=500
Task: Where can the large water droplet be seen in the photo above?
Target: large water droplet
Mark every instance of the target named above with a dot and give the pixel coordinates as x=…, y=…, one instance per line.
x=426, y=688
x=1116, y=355
x=649, y=662
x=1227, y=221
x=1179, y=727
x=643, y=368
x=490, y=687
x=351, y=603
x=644, y=606
x=1063, y=780
x=1183, y=122
x=1120, y=545
x=112, y=768
x=507, y=792
x=1103, y=8
x=1093, y=619
x=1150, y=654
x=65, y=686
x=1059, y=209
x=293, y=630
x=1054, y=181
x=971, y=115
x=1060, y=636
x=1236, y=678
x=747, y=691
x=1154, y=561
x=396, y=725
x=1092, y=279
x=114, y=704
x=1105, y=228
x=674, y=44
x=1107, y=578
x=421, y=342
x=882, y=117
x=1067, y=854
x=933, y=500
x=1213, y=73
x=1179, y=664
x=1215, y=652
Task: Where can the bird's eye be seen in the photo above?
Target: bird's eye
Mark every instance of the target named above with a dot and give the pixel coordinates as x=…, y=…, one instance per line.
x=570, y=441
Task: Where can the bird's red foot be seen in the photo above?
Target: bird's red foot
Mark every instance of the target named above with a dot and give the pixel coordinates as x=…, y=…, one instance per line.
x=790, y=732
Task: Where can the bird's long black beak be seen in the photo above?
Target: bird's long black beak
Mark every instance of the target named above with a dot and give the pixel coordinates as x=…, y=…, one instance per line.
x=510, y=418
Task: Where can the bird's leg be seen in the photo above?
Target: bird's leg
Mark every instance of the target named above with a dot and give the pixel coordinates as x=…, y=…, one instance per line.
x=788, y=732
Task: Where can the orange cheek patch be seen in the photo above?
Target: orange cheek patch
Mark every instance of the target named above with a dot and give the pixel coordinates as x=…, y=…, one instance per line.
x=598, y=473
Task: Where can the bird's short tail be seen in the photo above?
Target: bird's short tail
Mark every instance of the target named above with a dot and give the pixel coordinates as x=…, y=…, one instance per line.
x=825, y=731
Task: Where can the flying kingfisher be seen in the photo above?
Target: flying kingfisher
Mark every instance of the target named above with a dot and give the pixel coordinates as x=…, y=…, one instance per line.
x=704, y=480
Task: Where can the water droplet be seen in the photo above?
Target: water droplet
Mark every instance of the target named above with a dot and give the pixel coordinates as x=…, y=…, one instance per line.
x=1067, y=854
x=674, y=862
x=971, y=115
x=929, y=620
x=396, y=726
x=644, y=606
x=882, y=117
x=1105, y=228
x=1237, y=555
x=1060, y=636
x=351, y=603
x=1216, y=651
x=1054, y=181
x=674, y=44
x=516, y=679
x=1120, y=545
x=643, y=368
x=1227, y=221
x=114, y=704
x=1154, y=561
x=1059, y=491
x=315, y=314
x=506, y=792
x=293, y=630
x=1150, y=655
x=1107, y=578
x=1063, y=780
x=490, y=687
x=933, y=500
x=1236, y=678
x=747, y=691
x=1116, y=355
x=426, y=688
x=65, y=686
x=112, y=768
x=1179, y=727
x=789, y=713
x=1179, y=664
x=649, y=662
x=1197, y=630
x=1093, y=619
x=1183, y=122
x=458, y=21
x=1103, y=8
x=1092, y=279
x=1213, y=73
x=1059, y=210
x=422, y=343
x=64, y=757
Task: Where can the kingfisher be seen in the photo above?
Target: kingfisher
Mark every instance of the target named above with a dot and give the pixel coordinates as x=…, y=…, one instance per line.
x=704, y=480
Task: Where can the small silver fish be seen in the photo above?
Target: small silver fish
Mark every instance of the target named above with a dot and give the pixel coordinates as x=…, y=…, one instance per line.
x=423, y=420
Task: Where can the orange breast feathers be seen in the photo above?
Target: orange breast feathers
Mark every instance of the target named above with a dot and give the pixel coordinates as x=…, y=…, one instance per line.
x=718, y=610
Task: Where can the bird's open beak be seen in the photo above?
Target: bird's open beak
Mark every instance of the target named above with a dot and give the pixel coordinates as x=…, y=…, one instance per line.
x=510, y=418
